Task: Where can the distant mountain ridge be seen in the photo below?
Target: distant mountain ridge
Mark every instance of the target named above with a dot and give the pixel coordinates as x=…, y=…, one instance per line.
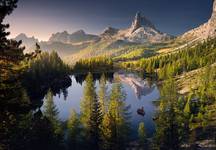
x=141, y=31
x=62, y=47
x=28, y=42
x=76, y=37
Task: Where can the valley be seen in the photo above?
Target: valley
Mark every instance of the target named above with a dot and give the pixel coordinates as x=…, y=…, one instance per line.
x=131, y=88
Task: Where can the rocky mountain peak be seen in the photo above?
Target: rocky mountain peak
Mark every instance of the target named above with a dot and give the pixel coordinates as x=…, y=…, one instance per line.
x=141, y=21
x=109, y=31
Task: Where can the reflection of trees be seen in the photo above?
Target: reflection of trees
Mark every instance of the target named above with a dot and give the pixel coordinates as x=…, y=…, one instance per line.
x=80, y=78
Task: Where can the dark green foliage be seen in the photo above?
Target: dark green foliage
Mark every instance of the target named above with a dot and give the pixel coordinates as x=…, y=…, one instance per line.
x=90, y=114
x=116, y=122
x=51, y=113
x=74, y=131
x=11, y=55
x=203, y=99
x=97, y=64
x=171, y=125
x=45, y=71
x=181, y=61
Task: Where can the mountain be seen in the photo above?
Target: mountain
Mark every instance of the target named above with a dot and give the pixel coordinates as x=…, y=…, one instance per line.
x=109, y=32
x=74, y=38
x=64, y=43
x=27, y=41
x=111, y=42
x=204, y=31
x=115, y=42
x=141, y=31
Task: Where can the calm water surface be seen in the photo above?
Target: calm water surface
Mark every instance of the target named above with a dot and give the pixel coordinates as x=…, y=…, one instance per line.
x=140, y=93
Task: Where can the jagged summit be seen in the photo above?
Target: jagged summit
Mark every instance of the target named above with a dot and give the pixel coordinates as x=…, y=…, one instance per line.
x=109, y=32
x=141, y=21
x=27, y=41
x=142, y=30
x=76, y=37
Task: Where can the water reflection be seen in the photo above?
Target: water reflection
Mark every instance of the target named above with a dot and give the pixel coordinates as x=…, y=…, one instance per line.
x=140, y=93
x=141, y=87
x=32, y=129
x=80, y=78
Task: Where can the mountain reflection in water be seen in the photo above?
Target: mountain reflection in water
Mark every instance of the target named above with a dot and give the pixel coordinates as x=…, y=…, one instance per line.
x=141, y=87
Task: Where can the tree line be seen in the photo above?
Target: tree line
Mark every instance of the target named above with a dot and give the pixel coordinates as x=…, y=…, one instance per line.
x=43, y=71
x=185, y=119
x=96, y=64
x=173, y=64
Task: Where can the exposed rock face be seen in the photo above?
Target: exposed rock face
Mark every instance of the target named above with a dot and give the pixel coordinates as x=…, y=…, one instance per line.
x=59, y=42
x=109, y=32
x=206, y=30
x=26, y=41
x=142, y=30
x=141, y=21
x=76, y=37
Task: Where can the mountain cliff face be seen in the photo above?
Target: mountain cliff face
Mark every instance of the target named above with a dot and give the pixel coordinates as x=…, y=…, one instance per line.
x=27, y=41
x=206, y=30
x=58, y=43
x=108, y=33
x=142, y=30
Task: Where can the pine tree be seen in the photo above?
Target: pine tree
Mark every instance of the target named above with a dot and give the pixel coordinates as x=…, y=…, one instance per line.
x=51, y=112
x=11, y=54
x=90, y=113
x=142, y=135
x=169, y=125
x=187, y=109
x=115, y=125
x=74, y=130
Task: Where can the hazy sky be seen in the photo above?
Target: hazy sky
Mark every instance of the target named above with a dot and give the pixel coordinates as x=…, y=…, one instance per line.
x=41, y=18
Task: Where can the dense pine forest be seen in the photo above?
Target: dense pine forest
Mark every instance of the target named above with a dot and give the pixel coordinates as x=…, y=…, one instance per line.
x=31, y=82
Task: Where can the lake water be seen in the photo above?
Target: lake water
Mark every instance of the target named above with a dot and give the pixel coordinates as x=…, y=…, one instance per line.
x=140, y=93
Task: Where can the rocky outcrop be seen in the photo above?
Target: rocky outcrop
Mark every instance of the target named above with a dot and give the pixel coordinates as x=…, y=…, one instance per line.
x=141, y=31
x=140, y=21
x=27, y=41
x=144, y=31
x=109, y=32
x=204, y=31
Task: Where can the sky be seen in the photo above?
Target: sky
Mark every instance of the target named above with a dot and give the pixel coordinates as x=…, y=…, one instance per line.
x=42, y=18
